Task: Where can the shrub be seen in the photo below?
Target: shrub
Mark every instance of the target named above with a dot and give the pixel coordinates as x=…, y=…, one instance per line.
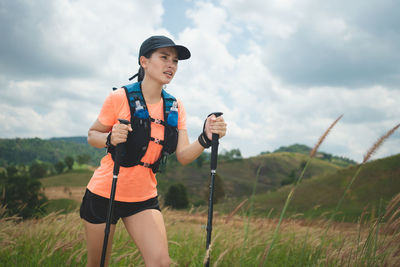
x=59, y=166
x=176, y=197
x=21, y=195
x=69, y=161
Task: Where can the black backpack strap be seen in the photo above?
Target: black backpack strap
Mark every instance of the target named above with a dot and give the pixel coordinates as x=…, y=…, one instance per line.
x=134, y=92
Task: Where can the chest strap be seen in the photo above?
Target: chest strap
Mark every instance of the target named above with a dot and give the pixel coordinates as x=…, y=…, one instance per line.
x=158, y=121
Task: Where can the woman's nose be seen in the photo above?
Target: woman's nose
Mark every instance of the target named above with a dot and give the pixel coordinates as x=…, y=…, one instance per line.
x=171, y=63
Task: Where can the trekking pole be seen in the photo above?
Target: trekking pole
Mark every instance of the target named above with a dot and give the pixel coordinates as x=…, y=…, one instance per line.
x=214, y=156
x=112, y=196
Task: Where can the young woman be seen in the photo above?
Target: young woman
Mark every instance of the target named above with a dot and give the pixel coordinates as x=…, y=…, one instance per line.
x=136, y=200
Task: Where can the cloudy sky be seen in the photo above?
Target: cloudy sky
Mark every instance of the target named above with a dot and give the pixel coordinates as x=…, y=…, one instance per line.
x=281, y=70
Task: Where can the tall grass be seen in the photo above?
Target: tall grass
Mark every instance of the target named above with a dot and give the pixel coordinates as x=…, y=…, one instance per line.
x=58, y=240
x=249, y=214
x=290, y=196
x=367, y=156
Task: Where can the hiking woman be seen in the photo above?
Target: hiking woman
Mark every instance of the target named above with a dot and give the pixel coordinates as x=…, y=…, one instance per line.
x=157, y=128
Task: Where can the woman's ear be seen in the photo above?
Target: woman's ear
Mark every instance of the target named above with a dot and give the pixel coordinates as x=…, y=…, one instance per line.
x=143, y=61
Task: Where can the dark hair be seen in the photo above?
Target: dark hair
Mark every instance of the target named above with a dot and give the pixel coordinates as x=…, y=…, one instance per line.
x=140, y=73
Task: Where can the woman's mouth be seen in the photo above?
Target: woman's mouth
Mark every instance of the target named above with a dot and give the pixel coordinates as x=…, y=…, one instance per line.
x=169, y=73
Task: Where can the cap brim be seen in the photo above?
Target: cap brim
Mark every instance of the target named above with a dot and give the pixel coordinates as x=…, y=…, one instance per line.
x=183, y=52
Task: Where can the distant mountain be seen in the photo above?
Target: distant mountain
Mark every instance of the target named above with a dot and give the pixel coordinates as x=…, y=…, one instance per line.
x=297, y=148
x=74, y=139
x=27, y=150
x=303, y=149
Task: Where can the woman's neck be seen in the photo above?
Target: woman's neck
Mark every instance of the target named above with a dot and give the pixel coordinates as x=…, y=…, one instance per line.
x=151, y=91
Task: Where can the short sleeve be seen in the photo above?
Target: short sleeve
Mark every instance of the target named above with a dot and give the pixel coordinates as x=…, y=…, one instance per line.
x=107, y=112
x=181, y=116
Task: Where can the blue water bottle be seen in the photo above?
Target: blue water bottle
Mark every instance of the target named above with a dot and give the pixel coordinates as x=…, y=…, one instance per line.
x=140, y=112
x=173, y=115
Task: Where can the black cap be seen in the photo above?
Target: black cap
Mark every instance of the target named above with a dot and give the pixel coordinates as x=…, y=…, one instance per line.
x=160, y=41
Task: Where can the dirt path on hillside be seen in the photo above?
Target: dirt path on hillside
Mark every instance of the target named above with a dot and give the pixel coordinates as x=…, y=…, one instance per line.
x=75, y=193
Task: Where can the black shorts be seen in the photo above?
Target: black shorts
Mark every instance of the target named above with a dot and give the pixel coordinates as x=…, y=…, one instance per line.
x=94, y=208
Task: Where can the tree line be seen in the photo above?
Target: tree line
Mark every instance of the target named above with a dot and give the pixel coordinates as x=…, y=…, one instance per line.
x=28, y=150
x=39, y=169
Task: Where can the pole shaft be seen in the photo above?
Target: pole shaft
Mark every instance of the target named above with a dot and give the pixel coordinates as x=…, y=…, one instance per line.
x=108, y=222
x=210, y=210
x=210, y=215
x=213, y=163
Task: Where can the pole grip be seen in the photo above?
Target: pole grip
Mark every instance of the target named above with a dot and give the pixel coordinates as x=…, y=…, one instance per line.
x=214, y=145
x=119, y=150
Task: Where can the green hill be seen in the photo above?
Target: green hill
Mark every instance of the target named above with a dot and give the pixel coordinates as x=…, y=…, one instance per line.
x=238, y=175
x=378, y=181
x=323, y=184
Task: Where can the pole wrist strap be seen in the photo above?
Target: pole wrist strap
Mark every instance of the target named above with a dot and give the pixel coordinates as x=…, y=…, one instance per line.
x=109, y=146
x=204, y=141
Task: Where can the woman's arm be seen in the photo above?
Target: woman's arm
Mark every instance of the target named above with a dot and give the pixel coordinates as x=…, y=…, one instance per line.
x=186, y=152
x=97, y=135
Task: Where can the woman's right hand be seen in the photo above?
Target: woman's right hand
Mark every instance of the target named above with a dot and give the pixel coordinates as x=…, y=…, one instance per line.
x=119, y=133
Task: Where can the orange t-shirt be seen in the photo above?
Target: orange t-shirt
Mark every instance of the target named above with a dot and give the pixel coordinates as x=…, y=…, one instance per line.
x=135, y=183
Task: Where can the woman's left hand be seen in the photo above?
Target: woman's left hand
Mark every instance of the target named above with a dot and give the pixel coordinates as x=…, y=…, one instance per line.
x=215, y=125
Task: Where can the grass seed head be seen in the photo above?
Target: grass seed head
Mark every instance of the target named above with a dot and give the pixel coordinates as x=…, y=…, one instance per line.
x=378, y=143
x=229, y=217
x=322, y=138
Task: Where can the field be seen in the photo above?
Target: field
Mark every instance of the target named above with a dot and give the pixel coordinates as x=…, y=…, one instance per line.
x=58, y=240
x=242, y=236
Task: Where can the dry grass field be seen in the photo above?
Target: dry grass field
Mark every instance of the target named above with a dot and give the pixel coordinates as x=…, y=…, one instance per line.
x=58, y=240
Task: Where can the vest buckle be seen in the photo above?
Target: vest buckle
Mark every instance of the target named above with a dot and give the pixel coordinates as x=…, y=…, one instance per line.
x=147, y=165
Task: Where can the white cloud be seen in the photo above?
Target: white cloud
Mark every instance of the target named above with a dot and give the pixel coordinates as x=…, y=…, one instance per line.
x=296, y=71
x=74, y=56
x=310, y=43
x=89, y=36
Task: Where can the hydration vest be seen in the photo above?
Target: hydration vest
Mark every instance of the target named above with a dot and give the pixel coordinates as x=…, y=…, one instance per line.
x=138, y=139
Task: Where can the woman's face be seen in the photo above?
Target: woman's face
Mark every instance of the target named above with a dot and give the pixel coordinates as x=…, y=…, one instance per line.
x=162, y=65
